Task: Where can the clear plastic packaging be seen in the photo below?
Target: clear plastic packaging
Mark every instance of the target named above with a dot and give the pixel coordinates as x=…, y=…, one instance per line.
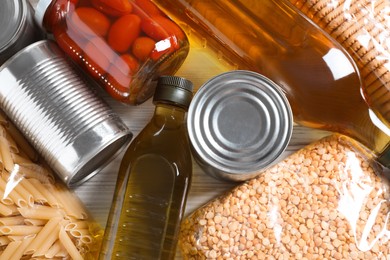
x=40, y=218
x=362, y=27
x=328, y=200
x=123, y=44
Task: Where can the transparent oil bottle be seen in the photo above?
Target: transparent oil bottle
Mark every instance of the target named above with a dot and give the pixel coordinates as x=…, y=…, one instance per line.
x=272, y=37
x=153, y=181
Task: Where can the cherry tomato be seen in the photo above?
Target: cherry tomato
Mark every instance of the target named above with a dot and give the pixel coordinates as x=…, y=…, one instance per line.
x=118, y=85
x=142, y=47
x=113, y=7
x=58, y=10
x=83, y=3
x=163, y=47
x=147, y=7
x=160, y=28
x=172, y=28
x=119, y=79
x=90, y=21
x=124, y=31
x=124, y=66
x=70, y=43
x=131, y=62
x=98, y=56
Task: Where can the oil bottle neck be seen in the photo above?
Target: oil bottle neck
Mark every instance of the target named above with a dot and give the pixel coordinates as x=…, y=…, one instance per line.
x=169, y=114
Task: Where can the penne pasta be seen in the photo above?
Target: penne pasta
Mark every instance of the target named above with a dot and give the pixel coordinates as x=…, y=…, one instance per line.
x=86, y=239
x=48, y=192
x=22, y=142
x=31, y=170
x=5, y=200
x=16, y=238
x=76, y=225
x=62, y=254
x=10, y=250
x=10, y=221
x=49, y=242
x=43, y=234
x=79, y=232
x=68, y=245
x=41, y=212
x=6, y=154
x=37, y=195
x=39, y=218
x=70, y=203
x=17, y=179
x=54, y=249
x=10, y=193
x=14, y=209
x=4, y=240
x=19, y=230
x=35, y=222
x=5, y=210
x=17, y=255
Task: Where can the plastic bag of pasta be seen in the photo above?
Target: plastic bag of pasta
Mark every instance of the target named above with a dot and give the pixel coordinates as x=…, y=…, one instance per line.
x=39, y=217
x=327, y=200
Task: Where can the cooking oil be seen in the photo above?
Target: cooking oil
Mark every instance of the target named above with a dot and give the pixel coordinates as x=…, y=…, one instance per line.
x=153, y=182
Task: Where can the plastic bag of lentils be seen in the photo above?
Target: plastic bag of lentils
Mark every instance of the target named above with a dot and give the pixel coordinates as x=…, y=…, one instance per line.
x=325, y=201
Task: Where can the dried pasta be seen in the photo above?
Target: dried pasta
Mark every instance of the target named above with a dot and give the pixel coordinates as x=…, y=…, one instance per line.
x=39, y=217
x=10, y=250
x=14, y=220
x=69, y=246
x=34, y=222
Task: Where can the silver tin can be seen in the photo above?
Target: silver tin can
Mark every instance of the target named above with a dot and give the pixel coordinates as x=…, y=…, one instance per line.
x=17, y=28
x=239, y=123
x=68, y=124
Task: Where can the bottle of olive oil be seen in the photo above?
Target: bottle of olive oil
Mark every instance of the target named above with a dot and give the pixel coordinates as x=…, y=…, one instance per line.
x=153, y=181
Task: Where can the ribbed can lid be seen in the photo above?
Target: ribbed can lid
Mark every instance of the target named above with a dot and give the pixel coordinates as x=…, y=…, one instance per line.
x=174, y=89
x=239, y=123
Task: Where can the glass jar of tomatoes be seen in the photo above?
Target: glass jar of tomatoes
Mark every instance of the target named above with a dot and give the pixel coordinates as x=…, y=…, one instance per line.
x=124, y=45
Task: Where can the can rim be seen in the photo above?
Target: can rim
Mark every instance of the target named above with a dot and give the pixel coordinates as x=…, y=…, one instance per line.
x=118, y=140
x=17, y=55
x=21, y=24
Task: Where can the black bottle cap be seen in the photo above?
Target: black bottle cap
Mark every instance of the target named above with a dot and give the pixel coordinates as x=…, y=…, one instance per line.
x=173, y=89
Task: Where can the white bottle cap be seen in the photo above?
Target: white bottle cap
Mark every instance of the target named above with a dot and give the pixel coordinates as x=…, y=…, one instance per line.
x=40, y=10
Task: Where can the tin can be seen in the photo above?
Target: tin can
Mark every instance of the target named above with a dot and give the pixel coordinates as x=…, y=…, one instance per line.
x=68, y=124
x=239, y=123
x=18, y=28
